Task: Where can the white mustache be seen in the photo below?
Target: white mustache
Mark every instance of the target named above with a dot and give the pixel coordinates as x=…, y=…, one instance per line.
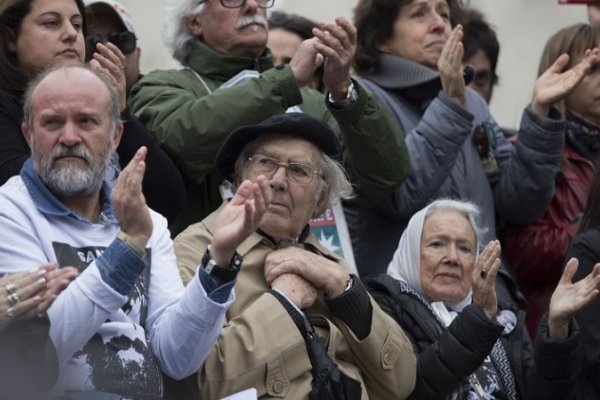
x=251, y=19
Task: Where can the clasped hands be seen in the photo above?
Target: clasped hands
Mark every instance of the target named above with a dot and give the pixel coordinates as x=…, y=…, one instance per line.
x=25, y=295
x=301, y=275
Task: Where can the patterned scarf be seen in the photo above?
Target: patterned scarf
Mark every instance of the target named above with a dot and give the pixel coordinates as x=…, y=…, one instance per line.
x=583, y=135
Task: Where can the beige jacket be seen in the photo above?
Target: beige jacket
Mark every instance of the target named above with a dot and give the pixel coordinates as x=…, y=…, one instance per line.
x=261, y=347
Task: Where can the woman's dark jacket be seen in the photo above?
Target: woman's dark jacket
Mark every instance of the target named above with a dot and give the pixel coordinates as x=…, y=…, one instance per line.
x=586, y=248
x=162, y=187
x=28, y=361
x=446, y=357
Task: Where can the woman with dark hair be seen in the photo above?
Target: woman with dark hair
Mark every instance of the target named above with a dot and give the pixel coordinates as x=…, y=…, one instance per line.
x=410, y=56
x=37, y=34
x=586, y=248
x=536, y=251
x=481, y=52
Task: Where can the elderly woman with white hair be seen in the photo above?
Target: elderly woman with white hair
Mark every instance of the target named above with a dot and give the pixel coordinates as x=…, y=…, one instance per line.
x=441, y=290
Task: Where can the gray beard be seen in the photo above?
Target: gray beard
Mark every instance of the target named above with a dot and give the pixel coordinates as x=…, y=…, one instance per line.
x=71, y=180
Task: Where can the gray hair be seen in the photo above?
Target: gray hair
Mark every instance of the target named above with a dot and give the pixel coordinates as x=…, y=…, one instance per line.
x=114, y=111
x=334, y=177
x=467, y=209
x=176, y=35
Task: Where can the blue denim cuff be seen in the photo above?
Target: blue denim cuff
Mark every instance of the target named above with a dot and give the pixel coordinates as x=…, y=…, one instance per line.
x=219, y=294
x=119, y=266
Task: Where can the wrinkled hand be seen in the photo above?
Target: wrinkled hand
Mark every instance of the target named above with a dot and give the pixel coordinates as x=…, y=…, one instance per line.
x=240, y=218
x=110, y=61
x=484, y=279
x=27, y=287
x=321, y=272
x=128, y=200
x=306, y=61
x=33, y=291
x=337, y=43
x=297, y=289
x=553, y=85
x=57, y=280
x=568, y=298
x=450, y=66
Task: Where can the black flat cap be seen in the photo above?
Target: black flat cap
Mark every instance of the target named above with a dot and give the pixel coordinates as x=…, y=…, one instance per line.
x=294, y=124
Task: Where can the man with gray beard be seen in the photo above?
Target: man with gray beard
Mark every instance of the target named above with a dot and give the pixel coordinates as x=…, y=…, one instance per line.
x=70, y=180
x=229, y=80
x=127, y=317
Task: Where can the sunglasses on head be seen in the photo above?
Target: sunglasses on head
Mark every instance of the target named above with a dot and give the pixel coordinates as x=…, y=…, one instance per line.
x=124, y=40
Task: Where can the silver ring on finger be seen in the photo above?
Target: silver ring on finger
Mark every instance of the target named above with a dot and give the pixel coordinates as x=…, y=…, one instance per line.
x=11, y=288
x=13, y=299
x=10, y=312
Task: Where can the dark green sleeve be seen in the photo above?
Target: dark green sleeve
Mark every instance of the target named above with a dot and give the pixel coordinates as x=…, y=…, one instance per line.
x=375, y=153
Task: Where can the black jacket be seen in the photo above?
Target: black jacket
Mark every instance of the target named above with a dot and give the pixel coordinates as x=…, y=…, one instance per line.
x=28, y=362
x=585, y=247
x=446, y=357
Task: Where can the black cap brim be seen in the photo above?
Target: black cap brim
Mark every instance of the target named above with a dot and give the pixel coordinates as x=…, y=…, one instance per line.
x=294, y=124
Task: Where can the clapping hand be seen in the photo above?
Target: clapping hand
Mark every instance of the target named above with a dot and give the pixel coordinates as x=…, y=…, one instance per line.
x=110, y=61
x=240, y=218
x=554, y=84
x=129, y=202
x=568, y=298
x=450, y=66
x=337, y=43
x=484, y=278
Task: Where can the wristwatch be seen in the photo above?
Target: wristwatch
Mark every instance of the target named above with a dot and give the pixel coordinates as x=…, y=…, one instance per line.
x=218, y=273
x=351, y=97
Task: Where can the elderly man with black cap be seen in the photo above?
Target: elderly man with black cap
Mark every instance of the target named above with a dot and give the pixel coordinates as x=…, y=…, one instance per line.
x=289, y=286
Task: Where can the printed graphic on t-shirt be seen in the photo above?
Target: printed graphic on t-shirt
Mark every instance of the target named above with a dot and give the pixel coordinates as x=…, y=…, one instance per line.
x=117, y=358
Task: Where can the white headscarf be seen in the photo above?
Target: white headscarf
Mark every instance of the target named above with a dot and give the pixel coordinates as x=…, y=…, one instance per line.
x=406, y=263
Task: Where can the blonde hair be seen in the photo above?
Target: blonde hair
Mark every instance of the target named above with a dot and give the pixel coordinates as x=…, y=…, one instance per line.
x=572, y=40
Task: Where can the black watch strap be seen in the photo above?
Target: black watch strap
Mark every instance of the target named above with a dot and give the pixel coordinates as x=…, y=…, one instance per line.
x=218, y=273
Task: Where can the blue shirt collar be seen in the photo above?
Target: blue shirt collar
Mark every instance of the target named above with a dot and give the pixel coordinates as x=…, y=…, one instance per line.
x=47, y=203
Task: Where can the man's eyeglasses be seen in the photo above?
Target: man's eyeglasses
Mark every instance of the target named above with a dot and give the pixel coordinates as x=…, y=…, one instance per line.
x=240, y=3
x=267, y=166
x=124, y=40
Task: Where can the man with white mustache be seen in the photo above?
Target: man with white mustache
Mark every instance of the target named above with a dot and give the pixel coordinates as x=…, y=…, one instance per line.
x=229, y=80
x=127, y=317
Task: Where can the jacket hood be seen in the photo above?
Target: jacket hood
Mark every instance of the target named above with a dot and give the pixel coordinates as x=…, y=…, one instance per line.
x=221, y=66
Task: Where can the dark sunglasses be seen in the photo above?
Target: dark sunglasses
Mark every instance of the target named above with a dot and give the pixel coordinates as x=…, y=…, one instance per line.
x=124, y=40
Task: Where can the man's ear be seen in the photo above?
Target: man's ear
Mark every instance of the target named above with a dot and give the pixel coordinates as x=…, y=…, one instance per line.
x=26, y=132
x=118, y=135
x=322, y=202
x=384, y=47
x=194, y=25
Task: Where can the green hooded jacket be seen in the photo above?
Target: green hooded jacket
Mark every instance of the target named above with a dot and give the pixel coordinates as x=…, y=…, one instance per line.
x=190, y=116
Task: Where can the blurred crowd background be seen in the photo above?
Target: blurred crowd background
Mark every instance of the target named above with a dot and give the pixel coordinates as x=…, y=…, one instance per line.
x=523, y=26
